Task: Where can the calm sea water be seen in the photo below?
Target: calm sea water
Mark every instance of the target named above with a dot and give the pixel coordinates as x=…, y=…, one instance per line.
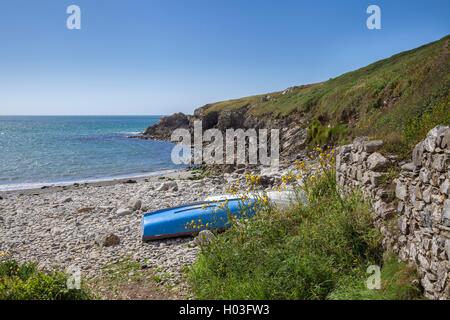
x=36, y=151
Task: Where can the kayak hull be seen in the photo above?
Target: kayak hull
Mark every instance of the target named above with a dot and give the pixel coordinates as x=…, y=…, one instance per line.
x=188, y=220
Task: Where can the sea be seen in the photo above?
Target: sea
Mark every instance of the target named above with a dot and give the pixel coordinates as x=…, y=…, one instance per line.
x=38, y=151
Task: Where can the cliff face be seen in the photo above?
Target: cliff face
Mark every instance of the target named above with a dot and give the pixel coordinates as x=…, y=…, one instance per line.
x=397, y=99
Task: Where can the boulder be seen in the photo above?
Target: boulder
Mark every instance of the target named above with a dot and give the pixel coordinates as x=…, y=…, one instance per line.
x=377, y=162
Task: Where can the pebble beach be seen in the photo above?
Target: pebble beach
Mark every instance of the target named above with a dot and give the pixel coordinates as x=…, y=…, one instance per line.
x=92, y=225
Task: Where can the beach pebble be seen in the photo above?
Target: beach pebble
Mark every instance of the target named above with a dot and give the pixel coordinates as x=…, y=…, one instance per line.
x=135, y=204
x=168, y=185
x=108, y=240
x=67, y=200
x=123, y=212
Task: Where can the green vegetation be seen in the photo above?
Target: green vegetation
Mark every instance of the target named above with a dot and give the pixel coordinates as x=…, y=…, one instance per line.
x=319, y=250
x=320, y=135
x=397, y=99
x=397, y=284
x=26, y=282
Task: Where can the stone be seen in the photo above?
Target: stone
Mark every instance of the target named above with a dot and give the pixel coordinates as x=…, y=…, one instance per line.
x=401, y=191
x=439, y=162
x=168, y=185
x=135, y=204
x=424, y=263
x=371, y=146
x=417, y=154
x=377, y=162
x=345, y=149
x=445, y=187
x=447, y=248
x=67, y=200
x=109, y=240
x=403, y=225
x=442, y=276
x=418, y=193
x=204, y=238
x=409, y=167
x=425, y=175
x=429, y=143
x=445, y=140
x=123, y=212
x=358, y=144
x=366, y=178
x=446, y=212
x=383, y=209
x=426, y=195
x=427, y=284
x=419, y=205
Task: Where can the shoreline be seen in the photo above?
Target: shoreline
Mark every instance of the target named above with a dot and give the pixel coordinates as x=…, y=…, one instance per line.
x=49, y=186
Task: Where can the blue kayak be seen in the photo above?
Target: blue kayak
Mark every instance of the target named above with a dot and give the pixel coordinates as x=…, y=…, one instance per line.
x=190, y=219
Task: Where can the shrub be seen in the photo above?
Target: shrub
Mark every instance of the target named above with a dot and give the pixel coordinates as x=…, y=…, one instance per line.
x=25, y=282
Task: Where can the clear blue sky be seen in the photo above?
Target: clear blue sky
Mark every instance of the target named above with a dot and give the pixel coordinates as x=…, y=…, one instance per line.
x=158, y=57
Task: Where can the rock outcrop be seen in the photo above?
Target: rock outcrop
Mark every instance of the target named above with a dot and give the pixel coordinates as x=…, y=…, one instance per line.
x=164, y=128
x=293, y=135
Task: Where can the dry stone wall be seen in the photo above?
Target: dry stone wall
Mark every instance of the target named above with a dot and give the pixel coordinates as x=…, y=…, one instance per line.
x=410, y=200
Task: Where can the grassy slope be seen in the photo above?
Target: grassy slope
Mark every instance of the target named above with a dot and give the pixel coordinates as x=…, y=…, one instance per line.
x=385, y=99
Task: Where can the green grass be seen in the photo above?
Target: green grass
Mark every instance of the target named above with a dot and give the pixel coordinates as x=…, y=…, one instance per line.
x=397, y=283
x=396, y=99
x=315, y=251
x=26, y=282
